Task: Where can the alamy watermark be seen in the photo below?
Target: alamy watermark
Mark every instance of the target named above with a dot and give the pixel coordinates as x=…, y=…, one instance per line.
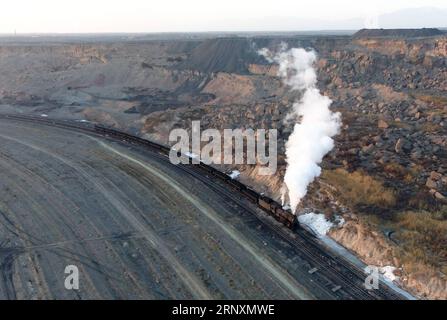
x=372, y=280
x=235, y=147
x=72, y=279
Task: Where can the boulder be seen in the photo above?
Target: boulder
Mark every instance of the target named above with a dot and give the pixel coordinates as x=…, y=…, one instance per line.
x=416, y=154
x=440, y=196
x=382, y=124
x=435, y=176
x=402, y=145
x=413, y=110
x=368, y=148
x=431, y=184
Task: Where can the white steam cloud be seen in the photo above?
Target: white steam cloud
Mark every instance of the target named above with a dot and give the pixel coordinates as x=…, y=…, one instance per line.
x=315, y=126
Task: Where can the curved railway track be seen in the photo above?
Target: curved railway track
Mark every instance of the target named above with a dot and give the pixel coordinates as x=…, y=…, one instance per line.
x=347, y=279
x=340, y=271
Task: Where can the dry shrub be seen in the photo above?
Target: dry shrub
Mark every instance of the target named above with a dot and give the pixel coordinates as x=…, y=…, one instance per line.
x=398, y=171
x=431, y=127
x=423, y=236
x=395, y=169
x=359, y=189
x=436, y=100
x=400, y=124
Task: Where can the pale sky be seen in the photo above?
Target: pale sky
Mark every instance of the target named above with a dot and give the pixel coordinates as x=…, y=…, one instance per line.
x=61, y=16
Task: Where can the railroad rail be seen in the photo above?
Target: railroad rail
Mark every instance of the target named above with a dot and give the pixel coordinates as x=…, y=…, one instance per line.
x=348, y=277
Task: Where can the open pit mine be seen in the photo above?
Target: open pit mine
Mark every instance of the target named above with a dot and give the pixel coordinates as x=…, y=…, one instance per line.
x=91, y=207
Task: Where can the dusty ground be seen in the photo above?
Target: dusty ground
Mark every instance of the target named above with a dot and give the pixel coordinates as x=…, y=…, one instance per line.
x=390, y=90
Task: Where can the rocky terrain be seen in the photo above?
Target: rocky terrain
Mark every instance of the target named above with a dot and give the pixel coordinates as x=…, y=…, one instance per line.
x=387, y=175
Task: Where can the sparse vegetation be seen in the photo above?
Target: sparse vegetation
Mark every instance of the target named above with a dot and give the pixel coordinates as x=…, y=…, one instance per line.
x=400, y=124
x=431, y=127
x=359, y=189
x=436, y=100
x=423, y=238
x=396, y=170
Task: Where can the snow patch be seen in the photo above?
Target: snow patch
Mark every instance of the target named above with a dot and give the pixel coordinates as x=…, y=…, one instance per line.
x=316, y=222
x=234, y=174
x=388, y=273
x=339, y=221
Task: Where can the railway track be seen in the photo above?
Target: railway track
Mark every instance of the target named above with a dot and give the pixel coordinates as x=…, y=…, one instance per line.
x=340, y=272
x=345, y=277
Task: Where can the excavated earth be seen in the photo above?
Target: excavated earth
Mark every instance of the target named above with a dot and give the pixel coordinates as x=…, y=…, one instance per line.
x=390, y=89
x=135, y=226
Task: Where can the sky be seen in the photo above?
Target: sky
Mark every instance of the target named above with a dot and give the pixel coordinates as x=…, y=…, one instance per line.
x=83, y=16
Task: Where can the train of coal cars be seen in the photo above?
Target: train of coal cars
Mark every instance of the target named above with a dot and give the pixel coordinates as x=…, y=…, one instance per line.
x=271, y=207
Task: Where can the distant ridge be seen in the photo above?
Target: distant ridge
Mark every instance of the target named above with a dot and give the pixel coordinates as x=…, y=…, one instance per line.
x=404, y=33
x=222, y=55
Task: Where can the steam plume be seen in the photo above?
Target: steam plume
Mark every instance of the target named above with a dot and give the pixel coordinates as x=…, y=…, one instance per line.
x=315, y=123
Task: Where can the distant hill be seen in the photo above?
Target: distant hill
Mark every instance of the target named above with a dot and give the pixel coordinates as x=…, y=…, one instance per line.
x=222, y=55
x=406, y=33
